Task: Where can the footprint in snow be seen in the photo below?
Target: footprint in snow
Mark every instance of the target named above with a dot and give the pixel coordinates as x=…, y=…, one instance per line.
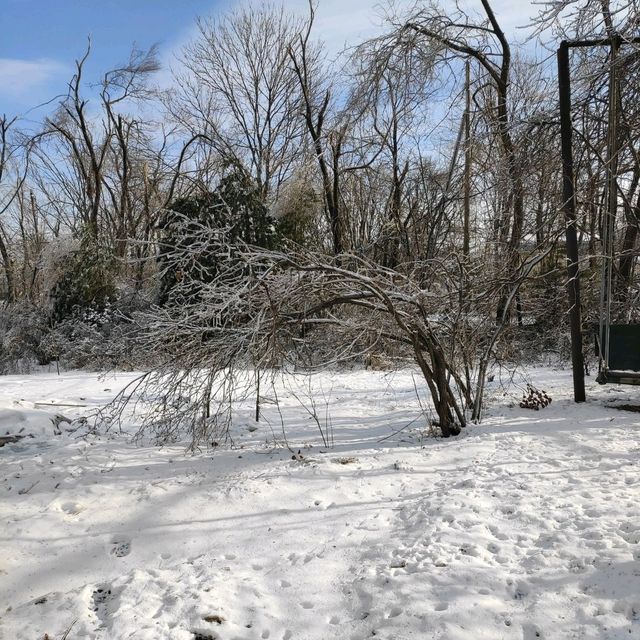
x=500, y=535
x=519, y=589
x=630, y=537
x=102, y=601
x=120, y=546
x=71, y=508
x=531, y=632
x=101, y=595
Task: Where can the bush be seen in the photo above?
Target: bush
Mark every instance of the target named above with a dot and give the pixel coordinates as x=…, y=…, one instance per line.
x=86, y=280
x=234, y=211
x=23, y=330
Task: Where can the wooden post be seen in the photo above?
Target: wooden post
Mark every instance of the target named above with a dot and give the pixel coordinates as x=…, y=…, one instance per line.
x=467, y=165
x=608, y=225
x=569, y=210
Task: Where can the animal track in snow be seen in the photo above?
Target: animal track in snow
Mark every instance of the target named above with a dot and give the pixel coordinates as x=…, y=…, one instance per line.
x=120, y=546
x=102, y=602
x=71, y=508
x=530, y=632
x=630, y=537
x=519, y=590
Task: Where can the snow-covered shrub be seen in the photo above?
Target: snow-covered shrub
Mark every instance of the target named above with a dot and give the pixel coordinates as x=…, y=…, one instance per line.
x=262, y=310
x=103, y=337
x=235, y=211
x=86, y=280
x=23, y=331
x=86, y=339
x=94, y=337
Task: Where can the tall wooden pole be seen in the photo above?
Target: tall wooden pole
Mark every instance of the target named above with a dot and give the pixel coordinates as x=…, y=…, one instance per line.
x=569, y=210
x=608, y=225
x=467, y=165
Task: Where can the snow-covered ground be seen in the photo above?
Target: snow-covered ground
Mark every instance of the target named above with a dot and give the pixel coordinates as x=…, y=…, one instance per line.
x=525, y=527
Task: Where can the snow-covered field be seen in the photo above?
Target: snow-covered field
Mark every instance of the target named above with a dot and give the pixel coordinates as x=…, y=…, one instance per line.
x=525, y=527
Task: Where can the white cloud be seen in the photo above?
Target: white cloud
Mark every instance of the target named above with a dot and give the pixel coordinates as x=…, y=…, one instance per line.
x=339, y=23
x=21, y=79
x=344, y=23
x=347, y=22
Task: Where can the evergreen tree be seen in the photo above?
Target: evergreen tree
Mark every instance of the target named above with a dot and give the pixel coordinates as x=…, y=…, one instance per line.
x=86, y=281
x=195, y=230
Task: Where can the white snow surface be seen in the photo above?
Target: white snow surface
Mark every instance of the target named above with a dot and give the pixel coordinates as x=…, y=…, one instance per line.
x=524, y=527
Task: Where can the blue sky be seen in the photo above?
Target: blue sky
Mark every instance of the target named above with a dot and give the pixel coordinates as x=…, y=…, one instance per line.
x=42, y=38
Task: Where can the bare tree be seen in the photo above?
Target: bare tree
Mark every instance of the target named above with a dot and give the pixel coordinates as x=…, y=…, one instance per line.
x=485, y=42
x=262, y=309
x=12, y=177
x=239, y=89
x=327, y=140
x=128, y=145
x=87, y=148
x=394, y=87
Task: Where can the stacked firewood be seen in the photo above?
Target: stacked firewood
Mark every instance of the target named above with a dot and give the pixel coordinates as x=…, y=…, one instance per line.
x=535, y=398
